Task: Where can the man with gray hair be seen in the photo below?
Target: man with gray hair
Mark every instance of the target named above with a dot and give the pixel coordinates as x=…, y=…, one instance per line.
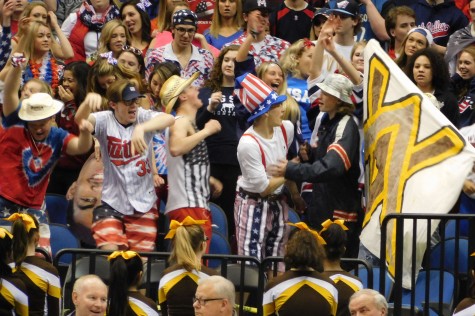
x=214, y=296
x=368, y=302
x=89, y=296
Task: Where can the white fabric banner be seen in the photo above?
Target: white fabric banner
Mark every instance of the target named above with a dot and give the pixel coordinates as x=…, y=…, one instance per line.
x=416, y=160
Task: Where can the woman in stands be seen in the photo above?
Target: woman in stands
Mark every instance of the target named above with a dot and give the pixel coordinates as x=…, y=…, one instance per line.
x=428, y=70
x=136, y=19
x=101, y=75
x=40, y=277
x=179, y=281
x=226, y=23
x=124, y=298
x=463, y=85
x=38, y=11
x=219, y=103
x=334, y=234
x=416, y=39
x=72, y=91
x=132, y=59
x=288, y=294
x=83, y=27
x=13, y=296
x=42, y=64
x=114, y=37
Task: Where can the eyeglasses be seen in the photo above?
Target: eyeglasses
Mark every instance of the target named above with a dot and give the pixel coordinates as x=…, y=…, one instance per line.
x=182, y=30
x=132, y=50
x=203, y=301
x=131, y=102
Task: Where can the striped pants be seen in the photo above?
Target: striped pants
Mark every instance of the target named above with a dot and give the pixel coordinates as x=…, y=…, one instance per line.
x=260, y=226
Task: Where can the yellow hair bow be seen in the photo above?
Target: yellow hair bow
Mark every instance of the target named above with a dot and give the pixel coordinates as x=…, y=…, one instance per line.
x=473, y=254
x=303, y=226
x=4, y=232
x=27, y=220
x=124, y=254
x=188, y=221
x=328, y=222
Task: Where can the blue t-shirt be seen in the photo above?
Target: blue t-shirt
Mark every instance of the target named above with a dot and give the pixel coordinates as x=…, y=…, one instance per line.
x=220, y=41
x=297, y=88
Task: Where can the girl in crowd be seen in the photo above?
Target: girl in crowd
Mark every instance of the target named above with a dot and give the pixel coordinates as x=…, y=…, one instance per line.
x=37, y=11
x=72, y=91
x=114, y=37
x=334, y=234
x=416, y=39
x=179, y=281
x=296, y=63
x=101, y=75
x=321, y=15
x=84, y=27
x=36, y=44
x=222, y=147
x=132, y=59
x=304, y=261
x=463, y=85
x=14, y=296
x=124, y=298
x=137, y=20
x=40, y=277
x=428, y=70
x=226, y=23
x=160, y=74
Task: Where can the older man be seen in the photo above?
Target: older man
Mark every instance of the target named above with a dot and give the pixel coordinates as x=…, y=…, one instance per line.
x=89, y=296
x=368, y=302
x=214, y=296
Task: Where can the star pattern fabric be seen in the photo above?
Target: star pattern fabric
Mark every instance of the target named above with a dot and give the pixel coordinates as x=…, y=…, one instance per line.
x=5, y=46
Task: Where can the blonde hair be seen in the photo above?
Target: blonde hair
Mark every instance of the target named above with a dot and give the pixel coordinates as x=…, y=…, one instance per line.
x=26, y=13
x=31, y=35
x=45, y=88
x=216, y=22
x=125, y=73
x=290, y=59
x=164, y=19
x=188, y=241
x=264, y=67
x=106, y=35
x=291, y=109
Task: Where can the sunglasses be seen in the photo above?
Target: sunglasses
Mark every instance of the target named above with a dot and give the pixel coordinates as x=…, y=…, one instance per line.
x=133, y=50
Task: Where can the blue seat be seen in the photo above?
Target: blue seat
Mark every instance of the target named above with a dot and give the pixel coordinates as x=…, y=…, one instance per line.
x=57, y=207
x=435, y=277
x=62, y=237
x=293, y=216
x=448, y=262
x=219, y=245
x=388, y=283
x=220, y=221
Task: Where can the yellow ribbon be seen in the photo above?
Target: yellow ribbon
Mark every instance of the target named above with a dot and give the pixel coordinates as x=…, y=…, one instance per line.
x=303, y=226
x=27, y=220
x=188, y=221
x=4, y=232
x=473, y=254
x=124, y=254
x=326, y=224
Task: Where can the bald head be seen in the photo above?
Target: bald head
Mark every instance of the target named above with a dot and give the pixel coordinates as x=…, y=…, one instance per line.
x=89, y=295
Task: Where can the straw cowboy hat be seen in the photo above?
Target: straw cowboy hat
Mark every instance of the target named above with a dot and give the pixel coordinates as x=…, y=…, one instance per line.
x=38, y=107
x=172, y=88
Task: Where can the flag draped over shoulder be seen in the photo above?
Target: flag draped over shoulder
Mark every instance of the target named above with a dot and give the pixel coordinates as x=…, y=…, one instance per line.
x=416, y=160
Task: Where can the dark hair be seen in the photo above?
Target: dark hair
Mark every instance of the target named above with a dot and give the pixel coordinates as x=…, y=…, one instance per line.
x=391, y=18
x=335, y=237
x=80, y=70
x=123, y=275
x=440, y=71
x=216, y=75
x=21, y=239
x=5, y=253
x=146, y=24
x=303, y=251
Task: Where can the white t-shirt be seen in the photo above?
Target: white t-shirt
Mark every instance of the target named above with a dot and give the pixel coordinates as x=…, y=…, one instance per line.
x=254, y=177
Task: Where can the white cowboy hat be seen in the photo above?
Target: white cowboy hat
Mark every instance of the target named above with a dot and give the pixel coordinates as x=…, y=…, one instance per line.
x=38, y=107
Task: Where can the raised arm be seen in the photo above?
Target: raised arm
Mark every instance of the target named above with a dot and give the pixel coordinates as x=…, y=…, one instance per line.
x=376, y=20
x=91, y=103
x=12, y=85
x=317, y=54
x=157, y=123
x=353, y=74
x=63, y=49
x=6, y=38
x=181, y=143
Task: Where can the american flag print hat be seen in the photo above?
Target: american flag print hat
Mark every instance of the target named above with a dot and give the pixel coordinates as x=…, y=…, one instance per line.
x=256, y=96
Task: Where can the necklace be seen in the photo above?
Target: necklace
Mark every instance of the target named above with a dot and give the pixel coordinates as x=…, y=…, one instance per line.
x=36, y=159
x=46, y=70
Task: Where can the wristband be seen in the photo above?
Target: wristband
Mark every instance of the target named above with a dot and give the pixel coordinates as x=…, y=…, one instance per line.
x=17, y=59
